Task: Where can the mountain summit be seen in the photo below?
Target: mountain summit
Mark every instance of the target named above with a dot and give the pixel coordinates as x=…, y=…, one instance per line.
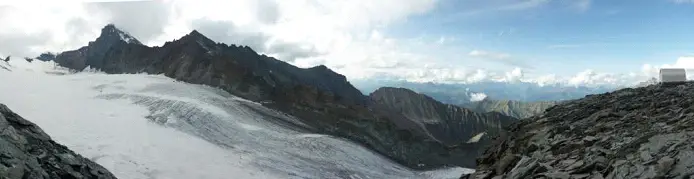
x=111, y=33
x=94, y=54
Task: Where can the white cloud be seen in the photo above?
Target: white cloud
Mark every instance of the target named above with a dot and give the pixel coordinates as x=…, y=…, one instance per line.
x=30, y=28
x=145, y=20
x=686, y=62
x=564, y=46
x=311, y=25
x=526, y=4
x=341, y=34
x=344, y=35
x=442, y=40
x=583, y=5
x=682, y=1
x=543, y=80
x=682, y=62
x=477, y=96
x=485, y=54
x=347, y=36
x=515, y=75
x=502, y=58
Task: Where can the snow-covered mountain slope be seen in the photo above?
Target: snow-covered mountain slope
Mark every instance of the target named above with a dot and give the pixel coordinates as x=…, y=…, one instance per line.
x=151, y=126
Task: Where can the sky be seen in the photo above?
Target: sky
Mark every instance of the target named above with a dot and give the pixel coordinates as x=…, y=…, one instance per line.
x=576, y=42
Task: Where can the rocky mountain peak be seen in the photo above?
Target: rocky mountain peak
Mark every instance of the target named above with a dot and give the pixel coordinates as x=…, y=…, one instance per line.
x=324, y=70
x=197, y=38
x=195, y=35
x=111, y=33
x=394, y=90
x=399, y=96
x=641, y=132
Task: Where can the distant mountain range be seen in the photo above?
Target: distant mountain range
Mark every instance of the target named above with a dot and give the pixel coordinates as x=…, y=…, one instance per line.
x=515, y=99
x=517, y=109
x=422, y=133
x=461, y=94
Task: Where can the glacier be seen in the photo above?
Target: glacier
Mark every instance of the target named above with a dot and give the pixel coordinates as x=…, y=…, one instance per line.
x=152, y=126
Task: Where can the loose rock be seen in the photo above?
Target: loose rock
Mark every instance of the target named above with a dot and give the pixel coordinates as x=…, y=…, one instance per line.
x=642, y=132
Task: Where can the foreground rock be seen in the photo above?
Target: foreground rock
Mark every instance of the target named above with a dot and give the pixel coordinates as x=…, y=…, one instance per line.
x=27, y=152
x=631, y=133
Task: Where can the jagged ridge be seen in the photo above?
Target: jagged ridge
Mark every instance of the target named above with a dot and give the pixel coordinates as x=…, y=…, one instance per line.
x=517, y=109
x=449, y=124
x=630, y=133
x=323, y=99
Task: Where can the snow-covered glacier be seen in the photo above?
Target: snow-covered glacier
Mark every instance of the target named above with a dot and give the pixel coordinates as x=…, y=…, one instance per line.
x=151, y=126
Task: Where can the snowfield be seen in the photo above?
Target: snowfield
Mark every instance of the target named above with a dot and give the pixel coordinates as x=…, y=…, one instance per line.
x=151, y=126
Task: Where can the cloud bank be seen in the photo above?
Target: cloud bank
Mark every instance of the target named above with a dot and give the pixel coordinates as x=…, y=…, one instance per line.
x=348, y=36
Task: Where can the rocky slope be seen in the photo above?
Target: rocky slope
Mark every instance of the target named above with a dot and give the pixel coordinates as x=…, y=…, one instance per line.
x=27, y=152
x=449, y=124
x=648, y=82
x=323, y=99
x=643, y=132
x=512, y=108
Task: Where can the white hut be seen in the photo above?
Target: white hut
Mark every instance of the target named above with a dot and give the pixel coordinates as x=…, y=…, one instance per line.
x=669, y=75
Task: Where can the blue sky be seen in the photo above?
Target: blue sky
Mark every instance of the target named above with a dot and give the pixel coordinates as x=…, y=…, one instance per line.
x=444, y=41
x=564, y=37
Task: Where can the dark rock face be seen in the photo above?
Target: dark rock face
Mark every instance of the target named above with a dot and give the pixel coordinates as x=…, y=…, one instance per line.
x=512, y=108
x=47, y=56
x=197, y=59
x=448, y=124
x=94, y=54
x=320, y=97
x=643, y=132
x=27, y=152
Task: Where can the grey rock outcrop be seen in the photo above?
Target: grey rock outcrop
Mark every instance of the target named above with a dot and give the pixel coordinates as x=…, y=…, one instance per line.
x=27, y=152
x=643, y=132
x=517, y=109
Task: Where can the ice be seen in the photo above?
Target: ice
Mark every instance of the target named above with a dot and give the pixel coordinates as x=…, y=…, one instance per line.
x=126, y=37
x=151, y=126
